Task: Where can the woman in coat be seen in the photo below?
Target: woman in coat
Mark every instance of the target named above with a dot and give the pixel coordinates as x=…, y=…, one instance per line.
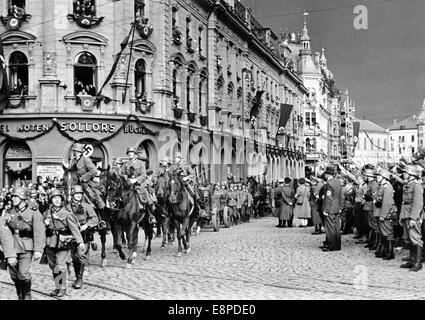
x=302, y=210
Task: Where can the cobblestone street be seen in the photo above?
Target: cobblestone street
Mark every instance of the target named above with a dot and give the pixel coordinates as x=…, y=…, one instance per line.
x=249, y=261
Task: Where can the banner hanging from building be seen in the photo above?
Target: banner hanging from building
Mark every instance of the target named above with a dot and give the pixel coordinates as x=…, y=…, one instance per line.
x=285, y=113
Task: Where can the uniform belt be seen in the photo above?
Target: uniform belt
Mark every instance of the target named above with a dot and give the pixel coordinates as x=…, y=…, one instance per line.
x=407, y=202
x=25, y=233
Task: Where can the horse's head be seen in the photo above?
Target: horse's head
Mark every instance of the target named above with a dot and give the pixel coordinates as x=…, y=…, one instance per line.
x=176, y=189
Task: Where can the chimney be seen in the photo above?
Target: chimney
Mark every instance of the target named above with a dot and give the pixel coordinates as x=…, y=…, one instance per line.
x=414, y=117
x=395, y=121
x=317, y=58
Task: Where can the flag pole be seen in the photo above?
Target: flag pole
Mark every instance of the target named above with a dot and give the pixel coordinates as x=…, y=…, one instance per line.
x=133, y=25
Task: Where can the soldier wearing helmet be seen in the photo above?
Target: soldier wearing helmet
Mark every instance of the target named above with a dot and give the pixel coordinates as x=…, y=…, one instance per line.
x=370, y=195
x=61, y=229
x=85, y=171
x=26, y=224
x=87, y=221
x=411, y=217
x=134, y=169
x=179, y=167
x=7, y=244
x=385, y=207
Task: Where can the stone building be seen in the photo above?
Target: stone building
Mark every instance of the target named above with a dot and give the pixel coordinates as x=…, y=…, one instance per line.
x=188, y=80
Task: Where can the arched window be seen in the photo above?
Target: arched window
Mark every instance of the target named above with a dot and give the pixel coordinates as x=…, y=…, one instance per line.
x=140, y=78
x=17, y=161
x=85, y=74
x=18, y=73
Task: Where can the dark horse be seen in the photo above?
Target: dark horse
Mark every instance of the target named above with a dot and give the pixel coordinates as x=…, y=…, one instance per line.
x=162, y=213
x=122, y=198
x=183, y=212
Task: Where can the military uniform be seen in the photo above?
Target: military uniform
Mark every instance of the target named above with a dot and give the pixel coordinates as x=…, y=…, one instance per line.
x=360, y=220
x=370, y=196
x=134, y=169
x=60, y=221
x=384, y=222
x=232, y=202
x=6, y=240
x=332, y=204
x=85, y=170
x=412, y=212
x=26, y=225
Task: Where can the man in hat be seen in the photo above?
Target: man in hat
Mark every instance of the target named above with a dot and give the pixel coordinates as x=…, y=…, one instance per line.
x=26, y=224
x=385, y=206
x=371, y=192
x=85, y=171
x=411, y=217
x=332, y=205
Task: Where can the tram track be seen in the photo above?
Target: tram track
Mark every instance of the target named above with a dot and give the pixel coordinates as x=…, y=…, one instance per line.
x=36, y=291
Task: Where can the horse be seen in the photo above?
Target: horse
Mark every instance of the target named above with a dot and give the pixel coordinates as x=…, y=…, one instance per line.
x=183, y=212
x=123, y=196
x=162, y=212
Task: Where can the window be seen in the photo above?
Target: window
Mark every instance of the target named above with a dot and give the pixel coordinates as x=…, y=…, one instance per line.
x=174, y=18
x=307, y=119
x=85, y=7
x=188, y=93
x=200, y=41
x=313, y=118
x=140, y=79
x=17, y=161
x=18, y=73
x=139, y=8
x=188, y=38
x=399, y=150
x=413, y=150
x=17, y=8
x=413, y=138
x=85, y=74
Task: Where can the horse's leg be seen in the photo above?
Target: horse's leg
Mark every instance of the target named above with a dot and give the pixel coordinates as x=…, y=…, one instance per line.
x=149, y=234
x=179, y=238
x=102, y=234
x=119, y=232
x=164, y=223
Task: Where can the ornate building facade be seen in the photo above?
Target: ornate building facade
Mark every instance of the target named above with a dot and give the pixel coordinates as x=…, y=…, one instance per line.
x=188, y=79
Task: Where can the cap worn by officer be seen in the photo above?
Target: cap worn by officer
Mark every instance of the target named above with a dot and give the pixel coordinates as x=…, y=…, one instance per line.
x=369, y=173
x=281, y=180
x=385, y=174
x=20, y=192
x=412, y=170
x=330, y=171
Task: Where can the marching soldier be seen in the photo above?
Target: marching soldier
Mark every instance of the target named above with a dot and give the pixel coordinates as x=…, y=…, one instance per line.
x=7, y=244
x=61, y=229
x=411, y=217
x=232, y=204
x=332, y=204
x=372, y=189
x=87, y=220
x=85, y=171
x=386, y=208
x=26, y=224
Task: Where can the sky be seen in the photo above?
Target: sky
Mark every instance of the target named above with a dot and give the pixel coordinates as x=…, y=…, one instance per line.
x=382, y=67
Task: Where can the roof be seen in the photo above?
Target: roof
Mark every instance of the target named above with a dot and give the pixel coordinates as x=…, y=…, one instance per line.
x=409, y=123
x=369, y=126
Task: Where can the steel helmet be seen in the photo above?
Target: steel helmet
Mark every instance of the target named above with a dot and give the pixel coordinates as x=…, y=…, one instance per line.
x=178, y=155
x=55, y=192
x=76, y=189
x=20, y=192
x=78, y=147
x=131, y=149
x=369, y=173
x=412, y=170
x=385, y=174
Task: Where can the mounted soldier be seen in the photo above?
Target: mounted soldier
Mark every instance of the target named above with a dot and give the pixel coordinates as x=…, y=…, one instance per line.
x=85, y=171
x=26, y=224
x=88, y=221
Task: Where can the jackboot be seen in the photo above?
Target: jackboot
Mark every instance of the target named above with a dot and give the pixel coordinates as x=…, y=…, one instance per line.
x=54, y=293
x=26, y=289
x=77, y=269
x=280, y=224
x=390, y=252
x=376, y=241
x=418, y=262
x=60, y=283
x=379, y=253
x=410, y=256
x=78, y=283
x=316, y=230
x=411, y=262
x=369, y=239
x=18, y=286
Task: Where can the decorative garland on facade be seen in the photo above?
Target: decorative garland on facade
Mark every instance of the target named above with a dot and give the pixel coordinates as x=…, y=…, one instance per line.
x=67, y=136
